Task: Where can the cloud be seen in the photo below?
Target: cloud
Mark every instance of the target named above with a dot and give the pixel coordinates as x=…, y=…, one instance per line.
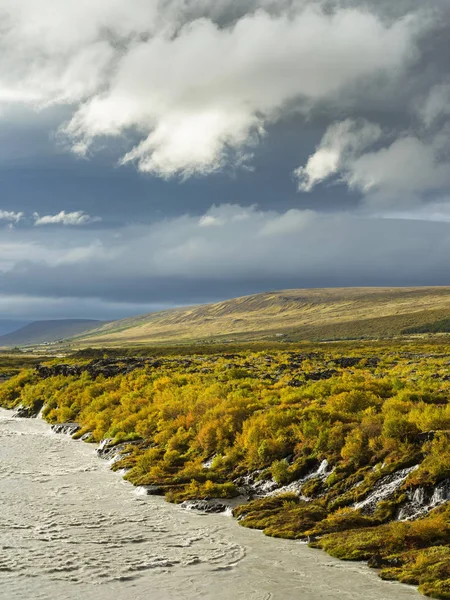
x=437, y=211
x=408, y=165
x=211, y=108
x=341, y=143
x=11, y=216
x=290, y=223
x=196, y=82
x=65, y=218
x=385, y=170
x=436, y=105
x=354, y=94
x=252, y=250
x=35, y=308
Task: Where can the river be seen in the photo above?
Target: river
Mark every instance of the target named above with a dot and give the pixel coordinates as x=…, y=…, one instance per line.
x=71, y=529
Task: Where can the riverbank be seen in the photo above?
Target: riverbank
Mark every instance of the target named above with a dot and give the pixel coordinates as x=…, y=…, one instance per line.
x=350, y=452
x=69, y=528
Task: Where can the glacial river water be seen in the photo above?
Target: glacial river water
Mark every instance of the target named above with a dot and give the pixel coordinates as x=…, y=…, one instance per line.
x=72, y=529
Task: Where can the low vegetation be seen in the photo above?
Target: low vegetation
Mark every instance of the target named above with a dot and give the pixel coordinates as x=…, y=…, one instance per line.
x=197, y=424
x=11, y=363
x=441, y=326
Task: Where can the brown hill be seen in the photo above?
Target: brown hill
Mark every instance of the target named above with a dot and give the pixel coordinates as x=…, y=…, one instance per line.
x=293, y=314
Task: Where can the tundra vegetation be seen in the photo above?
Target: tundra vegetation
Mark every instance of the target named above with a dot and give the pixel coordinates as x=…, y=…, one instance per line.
x=12, y=362
x=199, y=422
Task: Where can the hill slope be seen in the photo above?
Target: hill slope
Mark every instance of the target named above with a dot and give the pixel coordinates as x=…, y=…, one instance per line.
x=9, y=325
x=297, y=314
x=40, y=332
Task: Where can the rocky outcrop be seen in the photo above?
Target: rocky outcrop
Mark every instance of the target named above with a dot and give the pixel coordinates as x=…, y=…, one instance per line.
x=66, y=428
x=346, y=362
x=205, y=506
x=254, y=485
x=428, y=436
x=114, y=452
x=105, y=366
x=29, y=412
x=320, y=375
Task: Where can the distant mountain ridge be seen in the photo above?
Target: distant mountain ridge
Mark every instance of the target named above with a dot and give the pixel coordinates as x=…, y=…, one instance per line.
x=41, y=332
x=10, y=325
x=312, y=314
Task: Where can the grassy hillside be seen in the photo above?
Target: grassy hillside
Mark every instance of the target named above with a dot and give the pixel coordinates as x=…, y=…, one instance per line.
x=296, y=314
x=40, y=332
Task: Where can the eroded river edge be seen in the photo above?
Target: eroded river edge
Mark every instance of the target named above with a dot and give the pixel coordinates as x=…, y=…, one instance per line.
x=71, y=528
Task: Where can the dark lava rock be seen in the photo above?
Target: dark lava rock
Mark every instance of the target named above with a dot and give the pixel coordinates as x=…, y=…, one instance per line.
x=107, y=451
x=320, y=375
x=345, y=362
x=296, y=383
x=373, y=362
x=379, y=562
x=107, y=367
x=255, y=485
x=376, y=562
x=204, y=506
x=428, y=436
x=66, y=428
x=29, y=412
x=384, y=489
x=104, y=448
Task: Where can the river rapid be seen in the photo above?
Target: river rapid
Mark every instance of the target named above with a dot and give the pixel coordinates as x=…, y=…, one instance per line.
x=72, y=529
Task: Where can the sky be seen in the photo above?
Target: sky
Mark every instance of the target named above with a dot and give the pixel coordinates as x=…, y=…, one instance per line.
x=159, y=153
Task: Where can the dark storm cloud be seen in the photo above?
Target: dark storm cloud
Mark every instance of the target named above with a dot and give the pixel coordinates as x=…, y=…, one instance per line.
x=332, y=117
x=190, y=260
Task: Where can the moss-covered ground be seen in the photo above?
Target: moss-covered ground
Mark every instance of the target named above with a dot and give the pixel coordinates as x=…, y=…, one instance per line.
x=369, y=409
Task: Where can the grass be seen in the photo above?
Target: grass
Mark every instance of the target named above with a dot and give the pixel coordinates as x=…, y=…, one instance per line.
x=12, y=363
x=442, y=326
x=295, y=314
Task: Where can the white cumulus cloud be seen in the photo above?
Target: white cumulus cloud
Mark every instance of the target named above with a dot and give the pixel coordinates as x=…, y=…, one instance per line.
x=65, y=218
x=385, y=168
x=11, y=216
x=196, y=81
x=340, y=144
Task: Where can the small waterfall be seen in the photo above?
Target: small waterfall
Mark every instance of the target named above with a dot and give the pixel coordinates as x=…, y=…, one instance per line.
x=323, y=469
x=422, y=500
x=208, y=463
x=322, y=472
x=384, y=489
